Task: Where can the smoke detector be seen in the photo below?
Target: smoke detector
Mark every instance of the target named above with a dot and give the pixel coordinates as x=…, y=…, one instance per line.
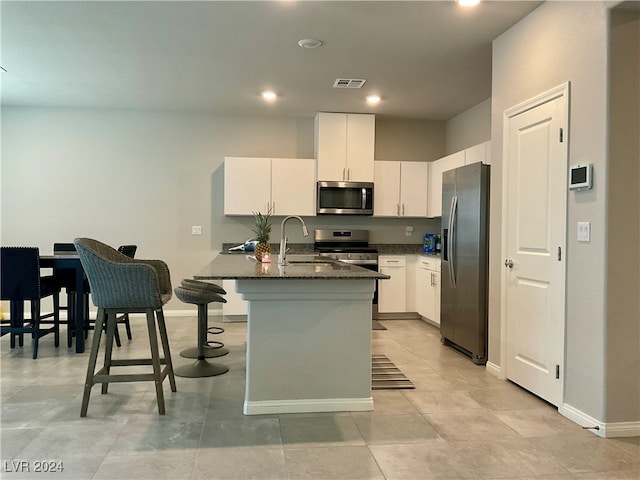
x=348, y=83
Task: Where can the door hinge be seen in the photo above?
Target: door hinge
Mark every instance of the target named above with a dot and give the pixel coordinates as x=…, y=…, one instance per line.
x=561, y=135
x=557, y=372
x=559, y=254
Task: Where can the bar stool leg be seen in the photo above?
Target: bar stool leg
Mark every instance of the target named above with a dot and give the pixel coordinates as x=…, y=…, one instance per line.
x=155, y=360
x=162, y=327
x=93, y=357
x=201, y=368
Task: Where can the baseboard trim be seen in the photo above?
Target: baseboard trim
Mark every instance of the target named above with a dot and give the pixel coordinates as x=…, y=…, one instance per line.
x=308, y=405
x=495, y=370
x=601, y=429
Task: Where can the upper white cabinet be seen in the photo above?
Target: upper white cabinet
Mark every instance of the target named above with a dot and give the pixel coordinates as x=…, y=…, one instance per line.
x=344, y=146
x=436, y=169
x=265, y=184
x=401, y=189
x=478, y=153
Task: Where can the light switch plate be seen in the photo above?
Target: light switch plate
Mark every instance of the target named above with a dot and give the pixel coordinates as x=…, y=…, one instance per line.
x=196, y=230
x=584, y=231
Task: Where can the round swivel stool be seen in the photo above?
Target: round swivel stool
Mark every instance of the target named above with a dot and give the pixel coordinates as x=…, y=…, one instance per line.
x=200, y=368
x=212, y=348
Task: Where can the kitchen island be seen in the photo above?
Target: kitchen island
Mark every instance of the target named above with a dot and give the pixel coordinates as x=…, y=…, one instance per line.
x=308, y=332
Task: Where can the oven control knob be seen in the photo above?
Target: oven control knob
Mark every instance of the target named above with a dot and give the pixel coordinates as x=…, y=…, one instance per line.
x=368, y=257
x=334, y=257
x=349, y=256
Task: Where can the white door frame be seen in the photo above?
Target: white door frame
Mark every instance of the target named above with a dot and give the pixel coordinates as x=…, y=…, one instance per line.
x=562, y=90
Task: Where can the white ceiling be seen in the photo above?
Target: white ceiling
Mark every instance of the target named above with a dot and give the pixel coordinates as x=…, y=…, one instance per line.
x=426, y=59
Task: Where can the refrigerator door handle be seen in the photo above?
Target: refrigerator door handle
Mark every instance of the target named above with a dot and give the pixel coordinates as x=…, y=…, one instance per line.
x=450, y=239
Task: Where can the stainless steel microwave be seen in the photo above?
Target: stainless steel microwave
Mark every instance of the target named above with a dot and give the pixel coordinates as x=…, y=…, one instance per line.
x=345, y=198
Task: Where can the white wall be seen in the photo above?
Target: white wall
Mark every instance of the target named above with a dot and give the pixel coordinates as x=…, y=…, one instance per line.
x=469, y=128
x=146, y=178
x=556, y=43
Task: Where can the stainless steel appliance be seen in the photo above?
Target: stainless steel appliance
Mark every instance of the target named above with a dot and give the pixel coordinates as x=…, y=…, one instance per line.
x=465, y=215
x=349, y=246
x=345, y=198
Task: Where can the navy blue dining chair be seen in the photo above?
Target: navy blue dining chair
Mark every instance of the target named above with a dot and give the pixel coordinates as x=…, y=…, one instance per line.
x=20, y=281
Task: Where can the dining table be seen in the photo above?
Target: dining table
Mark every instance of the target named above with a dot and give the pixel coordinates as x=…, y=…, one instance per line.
x=71, y=262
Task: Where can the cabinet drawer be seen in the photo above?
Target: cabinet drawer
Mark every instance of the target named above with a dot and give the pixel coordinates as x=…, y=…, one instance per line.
x=392, y=261
x=427, y=263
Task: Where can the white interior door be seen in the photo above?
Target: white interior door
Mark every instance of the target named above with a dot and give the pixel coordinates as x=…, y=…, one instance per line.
x=535, y=164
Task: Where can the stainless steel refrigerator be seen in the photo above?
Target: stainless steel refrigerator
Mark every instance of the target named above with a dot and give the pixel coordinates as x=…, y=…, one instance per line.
x=465, y=258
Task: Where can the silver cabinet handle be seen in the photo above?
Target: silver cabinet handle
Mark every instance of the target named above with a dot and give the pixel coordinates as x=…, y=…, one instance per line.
x=403, y=209
x=508, y=263
x=344, y=174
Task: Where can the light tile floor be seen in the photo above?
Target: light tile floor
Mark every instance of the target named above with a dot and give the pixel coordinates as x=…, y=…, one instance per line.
x=460, y=422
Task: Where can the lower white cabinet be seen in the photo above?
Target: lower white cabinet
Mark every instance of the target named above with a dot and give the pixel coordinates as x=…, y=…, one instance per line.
x=392, y=293
x=428, y=288
x=235, y=304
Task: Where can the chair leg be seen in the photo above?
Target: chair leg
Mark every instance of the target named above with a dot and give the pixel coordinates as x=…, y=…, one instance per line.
x=111, y=319
x=93, y=357
x=35, y=325
x=162, y=327
x=155, y=360
x=71, y=318
x=116, y=333
x=127, y=326
x=56, y=319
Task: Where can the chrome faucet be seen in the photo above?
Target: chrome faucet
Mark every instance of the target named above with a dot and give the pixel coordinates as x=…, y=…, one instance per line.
x=282, y=256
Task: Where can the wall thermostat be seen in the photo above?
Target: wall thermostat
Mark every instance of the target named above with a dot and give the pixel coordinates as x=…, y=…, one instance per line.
x=580, y=176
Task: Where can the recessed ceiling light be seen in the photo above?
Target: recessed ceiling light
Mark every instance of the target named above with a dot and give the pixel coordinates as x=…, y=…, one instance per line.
x=309, y=43
x=468, y=3
x=373, y=99
x=269, y=96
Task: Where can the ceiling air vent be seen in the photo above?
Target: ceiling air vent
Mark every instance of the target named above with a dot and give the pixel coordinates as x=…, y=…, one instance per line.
x=349, y=83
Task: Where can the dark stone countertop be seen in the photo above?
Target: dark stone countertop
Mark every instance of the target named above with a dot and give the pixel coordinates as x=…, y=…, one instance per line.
x=244, y=267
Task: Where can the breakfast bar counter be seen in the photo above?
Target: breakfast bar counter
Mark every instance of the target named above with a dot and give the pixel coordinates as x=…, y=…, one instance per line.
x=308, y=332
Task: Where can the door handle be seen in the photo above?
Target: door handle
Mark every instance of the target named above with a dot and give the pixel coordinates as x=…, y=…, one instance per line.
x=508, y=263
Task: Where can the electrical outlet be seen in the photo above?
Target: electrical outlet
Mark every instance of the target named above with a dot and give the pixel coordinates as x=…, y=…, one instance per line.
x=196, y=230
x=408, y=231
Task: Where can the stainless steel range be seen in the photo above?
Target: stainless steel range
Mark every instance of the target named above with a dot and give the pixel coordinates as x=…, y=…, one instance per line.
x=349, y=246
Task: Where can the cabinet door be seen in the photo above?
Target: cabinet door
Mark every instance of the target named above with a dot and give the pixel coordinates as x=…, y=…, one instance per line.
x=436, y=299
x=449, y=162
x=293, y=186
x=331, y=145
x=476, y=154
x=235, y=304
x=360, y=147
x=423, y=290
x=414, y=189
x=392, y=296
x=247, y=185
x=386, y=193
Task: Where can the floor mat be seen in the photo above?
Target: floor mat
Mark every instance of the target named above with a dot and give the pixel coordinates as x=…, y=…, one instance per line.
x=386, y=376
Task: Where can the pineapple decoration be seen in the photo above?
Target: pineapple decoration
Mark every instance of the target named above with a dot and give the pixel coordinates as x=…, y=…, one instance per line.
x=262, y=230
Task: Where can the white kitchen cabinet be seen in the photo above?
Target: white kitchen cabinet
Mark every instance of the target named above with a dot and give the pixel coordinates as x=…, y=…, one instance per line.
x=480, y=153
x=265, y=184
x=401, y=189
x=436, y=169
x=392, y=293
x=344, y=146
x=235, y=304
x=428, y=288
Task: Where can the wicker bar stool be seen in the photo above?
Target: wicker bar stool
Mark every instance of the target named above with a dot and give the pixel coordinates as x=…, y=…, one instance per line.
x=201, y=367
x=212, y=348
